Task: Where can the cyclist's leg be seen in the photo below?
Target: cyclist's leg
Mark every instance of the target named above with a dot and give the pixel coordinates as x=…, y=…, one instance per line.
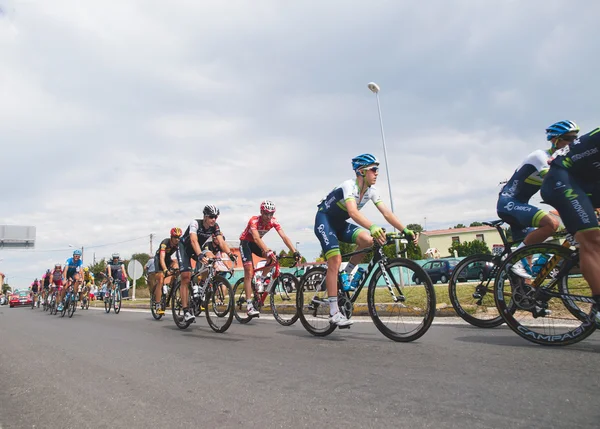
x=246, y=251
x=358, y=235
x=185, y=264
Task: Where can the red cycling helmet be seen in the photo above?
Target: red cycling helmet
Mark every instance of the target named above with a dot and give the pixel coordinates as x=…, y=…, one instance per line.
x=176, y=232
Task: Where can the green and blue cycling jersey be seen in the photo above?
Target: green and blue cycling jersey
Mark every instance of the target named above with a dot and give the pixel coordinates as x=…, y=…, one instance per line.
x=331, y=224
x=513, y=201
x=573, y=184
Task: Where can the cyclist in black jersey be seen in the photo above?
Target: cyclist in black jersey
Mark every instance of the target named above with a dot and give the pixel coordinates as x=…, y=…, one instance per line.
x=190, y=252
x=572, y=186
x=163, y=262
x=115, y=270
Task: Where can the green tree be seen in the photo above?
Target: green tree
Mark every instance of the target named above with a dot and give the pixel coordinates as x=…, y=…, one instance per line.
x=99, y=270
x=415, y=227
x=6, y=288
x=143, y=258
x=470, y=248
x=476, y=224
x=460, y=225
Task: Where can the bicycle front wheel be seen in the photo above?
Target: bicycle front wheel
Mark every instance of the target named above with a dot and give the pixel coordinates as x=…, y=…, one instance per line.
x=107, y=302
x=554, y=307
x=219, y=304
x=155, y=314
x=239, y=303
x=402, y=311
x=312, y=303
x=72, y=307
x=283, y=299
x=117, y=302
x=471, y=291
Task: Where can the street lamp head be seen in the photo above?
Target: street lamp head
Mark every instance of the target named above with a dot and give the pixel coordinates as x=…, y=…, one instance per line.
x=373, y=87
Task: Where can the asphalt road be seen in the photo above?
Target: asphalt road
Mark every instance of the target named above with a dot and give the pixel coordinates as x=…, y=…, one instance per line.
x=129, y=371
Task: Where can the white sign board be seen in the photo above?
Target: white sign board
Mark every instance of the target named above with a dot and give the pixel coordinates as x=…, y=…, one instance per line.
x=135, y=271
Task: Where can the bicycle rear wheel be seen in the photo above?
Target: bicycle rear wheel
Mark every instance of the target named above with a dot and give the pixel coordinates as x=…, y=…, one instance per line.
x=177, y=307
x=219, y=304
x=471, y=291
x=108, y=302
x=401, y=311
x=312, y=303
x=117, y=301
x=538, y=316
x=239, y=303
x=283, y=299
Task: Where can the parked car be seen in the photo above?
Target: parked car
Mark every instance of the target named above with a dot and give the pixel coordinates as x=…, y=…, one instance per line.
x=478, y=270
x=21, y=298
x=438, y=270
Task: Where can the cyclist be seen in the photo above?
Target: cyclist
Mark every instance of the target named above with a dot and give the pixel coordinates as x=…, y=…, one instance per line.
x=117, y=275
x=56, y=280
x=35, y=287
x=572, y=186
x=164, y=264
x=251, y=242
x=189, y=251
x=88, y=281
x=71, y=273
x=513, y=201
x=332, y=226
x=46, y=285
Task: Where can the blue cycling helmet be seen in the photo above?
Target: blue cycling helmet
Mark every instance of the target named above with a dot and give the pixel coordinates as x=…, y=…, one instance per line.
x=364, y=160
x=560, y=128
x=77, y=252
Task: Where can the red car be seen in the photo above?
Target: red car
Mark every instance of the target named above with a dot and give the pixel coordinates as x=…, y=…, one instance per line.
x=20, y=298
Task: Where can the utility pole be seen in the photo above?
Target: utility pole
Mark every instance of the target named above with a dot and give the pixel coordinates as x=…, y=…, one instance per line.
x=151, y=244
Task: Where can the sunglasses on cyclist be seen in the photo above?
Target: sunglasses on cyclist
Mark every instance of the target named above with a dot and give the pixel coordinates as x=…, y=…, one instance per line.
x=374, y=169
x=212, y=216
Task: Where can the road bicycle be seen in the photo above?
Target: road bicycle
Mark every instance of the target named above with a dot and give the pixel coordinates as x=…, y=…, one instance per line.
x=35, y=300
x=85, y=298
x=113, y=297
x=166, y=297
x=556, y=306
x=401, y=310
x=471, y=285
x=279, y=287
x=70, y=302
x=212, y=295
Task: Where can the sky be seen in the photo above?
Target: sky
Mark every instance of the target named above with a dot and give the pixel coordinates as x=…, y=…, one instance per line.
x=123, y=119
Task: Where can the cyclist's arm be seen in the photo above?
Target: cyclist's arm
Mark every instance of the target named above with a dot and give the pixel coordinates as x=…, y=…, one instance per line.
x=195, y=244
x=222, y=244
x=163, y=263
x=124, y=271
x=389, y=216
x=286, y=240
x=356, y=215
x=259, y=242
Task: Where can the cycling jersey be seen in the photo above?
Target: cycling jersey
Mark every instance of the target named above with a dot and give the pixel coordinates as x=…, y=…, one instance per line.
x=197, y=227
x=88, y=277
x=47, y=281
x=573, y=184
x=334, y=204
x=116, y=270
x=256, y=223
x=35, y=286
x=513, y=201
x=331, y=220
x=169, y=249
x=73, y=267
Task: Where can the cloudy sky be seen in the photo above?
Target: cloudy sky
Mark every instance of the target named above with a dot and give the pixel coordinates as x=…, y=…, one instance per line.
x=122, y=119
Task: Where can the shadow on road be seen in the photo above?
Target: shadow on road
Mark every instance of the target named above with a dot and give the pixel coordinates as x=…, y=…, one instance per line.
x=516, y=341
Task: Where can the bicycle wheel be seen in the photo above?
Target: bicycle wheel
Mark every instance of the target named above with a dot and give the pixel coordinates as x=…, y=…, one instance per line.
x=177, y=307
x=219, y=304
x=65, y=306
x=239, y=303
x=117, y=300
x=108, y=302
x=87, y=303
x=283, y=299
x=471, y=291
x=72, y=307
x=312, y=303
x=543, y=312
x=153, y=308
x=401, y=311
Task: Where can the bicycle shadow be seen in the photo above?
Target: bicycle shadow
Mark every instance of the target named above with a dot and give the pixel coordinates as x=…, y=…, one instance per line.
x=204, y=332
x=518, y=342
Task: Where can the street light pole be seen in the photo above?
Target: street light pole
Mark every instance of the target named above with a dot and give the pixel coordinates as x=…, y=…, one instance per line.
x=374, y=88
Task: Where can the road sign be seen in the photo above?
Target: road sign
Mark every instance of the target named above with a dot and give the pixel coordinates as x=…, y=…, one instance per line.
x=135, y=271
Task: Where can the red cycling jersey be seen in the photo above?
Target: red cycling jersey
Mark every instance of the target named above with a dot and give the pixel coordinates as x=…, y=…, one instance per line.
x=255, y=223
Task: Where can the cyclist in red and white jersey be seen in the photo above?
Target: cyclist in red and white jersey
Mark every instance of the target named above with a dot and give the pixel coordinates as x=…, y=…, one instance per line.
x=251, y=242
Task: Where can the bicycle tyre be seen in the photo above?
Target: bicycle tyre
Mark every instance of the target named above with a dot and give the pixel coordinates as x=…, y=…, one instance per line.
x=117, y=300
x=239, y=303
x=177, y=308
x=415, y=304
x=307, y=308
x=484, y=286
x=282, y=287
x=87, y=303
x=581, y=328
x=72, y=307
x=153, y=308
x=219, y=316
x=64, y=309
x=107, y=302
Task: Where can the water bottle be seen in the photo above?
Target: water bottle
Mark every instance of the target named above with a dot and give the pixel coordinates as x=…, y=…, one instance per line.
x=201, y=290
x=345, y=282
x=195, y=290
x=357, y=278
x=260, y=284
x=165, y=289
